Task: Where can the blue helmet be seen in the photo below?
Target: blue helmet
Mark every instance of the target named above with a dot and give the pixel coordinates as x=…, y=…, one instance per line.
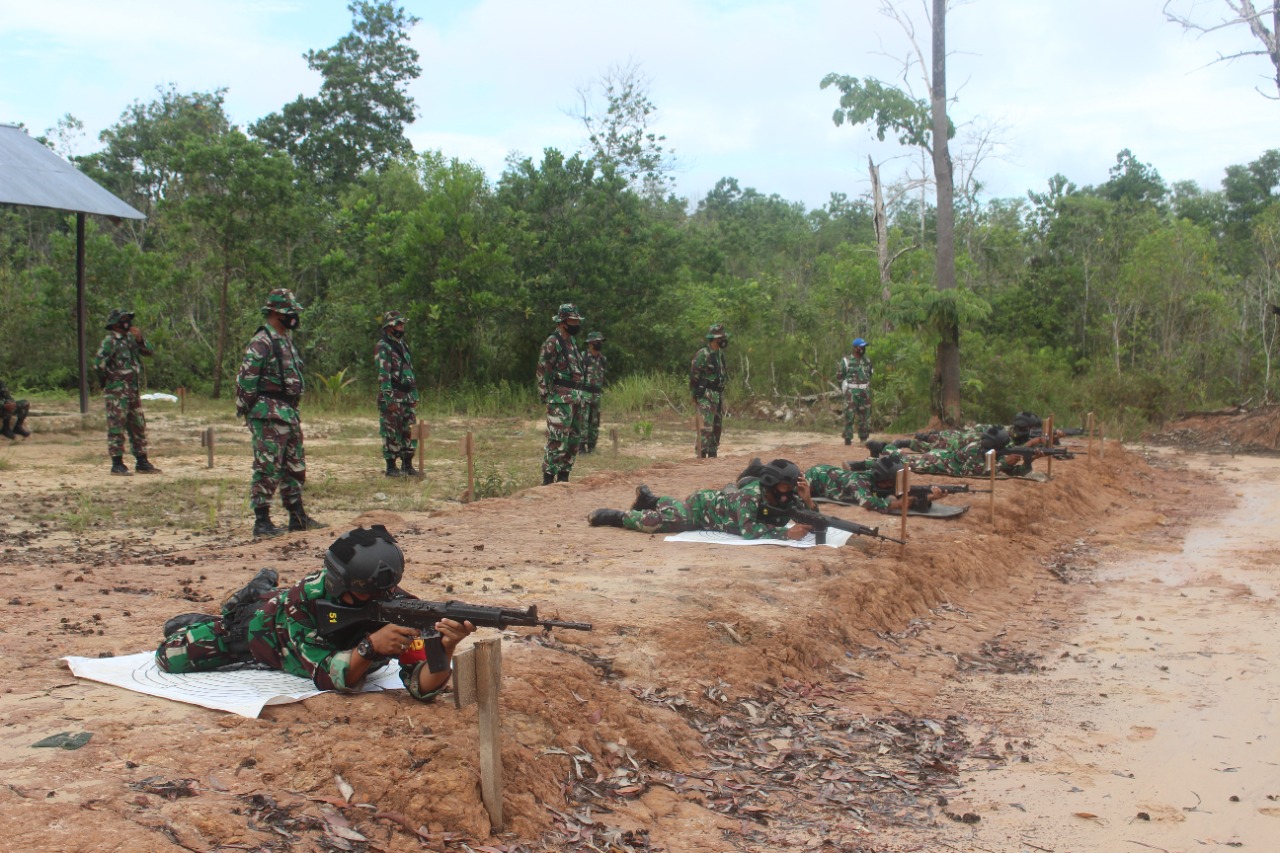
x=859, y=342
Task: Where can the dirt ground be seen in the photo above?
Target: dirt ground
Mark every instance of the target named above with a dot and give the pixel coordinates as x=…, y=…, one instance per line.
x=1095, y=669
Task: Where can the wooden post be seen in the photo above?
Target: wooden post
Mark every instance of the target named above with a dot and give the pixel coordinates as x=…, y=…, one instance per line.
x=208, y=443
x=1048, y=430
x=697, y=433
x=182, y=401
x=613, y=436
x=421, y=432
x=991, y=466
x=904, y=494
x=477, y=680
x=469, y=448
x=1088, y=428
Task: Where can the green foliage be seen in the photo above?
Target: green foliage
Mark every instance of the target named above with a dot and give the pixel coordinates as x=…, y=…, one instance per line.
x=332, y=391
x=496, y=481
x=890, y=108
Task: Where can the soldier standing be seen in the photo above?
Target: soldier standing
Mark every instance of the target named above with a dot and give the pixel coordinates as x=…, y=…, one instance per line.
x=119, y=367
x=595, y=369
x=269, y=387
x=397, y=396
x=854, y=374
x=707, y=378
x=13, y=414
x=561, y=377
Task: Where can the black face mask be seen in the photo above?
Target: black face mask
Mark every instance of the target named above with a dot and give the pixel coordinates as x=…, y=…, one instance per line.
x=396, y=333
x=595, y=347
x=291, y=321
x=125, y=325
x=724, y=344
x=572, y=328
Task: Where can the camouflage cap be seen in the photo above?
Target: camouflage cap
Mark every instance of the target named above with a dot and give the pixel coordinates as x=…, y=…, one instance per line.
x=391, y=318
x=118, y=314
x=717, y=331
x=595, y=336
x=282, y=301
x=567, y=311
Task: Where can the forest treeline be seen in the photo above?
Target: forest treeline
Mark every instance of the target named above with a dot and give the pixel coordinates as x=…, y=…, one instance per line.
x=1134, y=298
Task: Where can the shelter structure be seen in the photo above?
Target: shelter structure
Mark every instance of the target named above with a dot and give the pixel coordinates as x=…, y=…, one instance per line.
x=33, y=176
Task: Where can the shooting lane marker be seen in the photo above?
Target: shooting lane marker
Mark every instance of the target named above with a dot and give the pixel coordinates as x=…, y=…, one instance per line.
x=182, y=401
x=469, y=448
x=1102, y=443
x=421, y=432
x=1048, y=430
x=991, y=466
x=613, y=436
x=206, y=441
x=697, y=431
x=1089, y=430
x=904, y=495
x=477, y=678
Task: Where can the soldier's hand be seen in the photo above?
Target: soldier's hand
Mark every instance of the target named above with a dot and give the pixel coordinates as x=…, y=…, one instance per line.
x=136, y=332
x=803, y=492
x=452, y=633
x=798, y=531
x=391, y=640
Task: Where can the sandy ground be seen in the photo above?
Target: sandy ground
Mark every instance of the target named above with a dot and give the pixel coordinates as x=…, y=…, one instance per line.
x=1104, y=650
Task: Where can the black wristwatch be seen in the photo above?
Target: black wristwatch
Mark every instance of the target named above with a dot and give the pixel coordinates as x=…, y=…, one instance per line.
x=365, y=649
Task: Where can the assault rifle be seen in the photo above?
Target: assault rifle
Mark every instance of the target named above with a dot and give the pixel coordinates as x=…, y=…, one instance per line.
x=1030, y=453
x=923, y=491
x=423, y=616
x=820, y=523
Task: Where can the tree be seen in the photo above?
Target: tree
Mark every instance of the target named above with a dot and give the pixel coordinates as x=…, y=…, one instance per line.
x=356, y=122
x=618, y=133
x=1243, y=14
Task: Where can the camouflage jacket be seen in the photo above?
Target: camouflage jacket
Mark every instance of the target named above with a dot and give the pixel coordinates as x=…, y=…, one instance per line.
x=5, y=396
x=854, y=371
x=967, y=461
x=284, y=634
x=118, y=362
x=707, y=371
x=595, y=368
x=829, y=481
x=396, y=380
x=561, y=370
x=269, y=384
x=733, y=509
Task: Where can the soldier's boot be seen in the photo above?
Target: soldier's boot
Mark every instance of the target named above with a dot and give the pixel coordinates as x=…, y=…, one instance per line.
x=184, y=621
x=903, y=443
x=392, y=471
x=548, y=478
x=711, y=454
x=645, y=499
x=262, y=526
x=142, y=466
x=263, y=583
x=406, y=460
x=299, y=520
x=863, y=435
x=562, y=477
x=847, y=441
x=20, y=429
x=605, y=518
x=119, y=468
x=5, y=429
x=875, y=448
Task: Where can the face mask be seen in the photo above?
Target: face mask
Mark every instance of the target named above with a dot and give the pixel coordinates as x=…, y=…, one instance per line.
x=572, y=329
x=125, y=326
x=291, y=321
x=724, y=344
x=396, y=333
x=595, y=347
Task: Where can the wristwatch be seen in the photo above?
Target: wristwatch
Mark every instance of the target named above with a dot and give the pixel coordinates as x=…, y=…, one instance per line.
x=365, y=649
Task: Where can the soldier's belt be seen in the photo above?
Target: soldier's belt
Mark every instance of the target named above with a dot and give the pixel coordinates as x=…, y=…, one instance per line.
x=595, y=389
x=859, y=387
x=404, y=387
x=572, y=386
x=280, y=396
x=711, y=386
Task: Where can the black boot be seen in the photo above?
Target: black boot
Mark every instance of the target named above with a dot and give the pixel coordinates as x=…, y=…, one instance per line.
x=20, y=429
x=142, y=466
x=848, y=441
x=184, y=621
x=548, y=478
x=392, y=471
x=605, y=518
x=875, y=448
x=263, y=583
x=118, y=467
x=5, y=429
x=645, y=499
x=562, y=477
x=299, y=520
x=262, y=525
x=711, y=454
x=406, y=461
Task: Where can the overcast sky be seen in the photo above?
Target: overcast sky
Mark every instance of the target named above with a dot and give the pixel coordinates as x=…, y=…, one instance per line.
x=1061, y=85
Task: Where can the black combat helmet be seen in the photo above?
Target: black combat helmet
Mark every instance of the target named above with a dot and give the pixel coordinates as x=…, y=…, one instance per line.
x=364, y=561
x=886, y=469
x=994, y=438
x=779, y=471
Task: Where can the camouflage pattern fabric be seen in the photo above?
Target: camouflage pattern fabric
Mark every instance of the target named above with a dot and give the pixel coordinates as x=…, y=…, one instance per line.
x=732, y=509
x=830, y=481
x=125, y=417
x=595, y=366
x=269, y=385
x=854, y=375
x=561, y=378
x=707, y=379
x=282, y=635
x=119, y=363
x=20, y=407
x=967, y=461
x=279, y=462
x=397, y=397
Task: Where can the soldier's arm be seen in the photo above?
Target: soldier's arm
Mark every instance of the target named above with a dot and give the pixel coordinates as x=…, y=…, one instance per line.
x=382, y=358
x=694, y=372
x=248, y=377
x=546, y=359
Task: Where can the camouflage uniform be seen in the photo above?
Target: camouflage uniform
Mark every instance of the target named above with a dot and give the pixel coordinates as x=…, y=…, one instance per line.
x=397, y=392
x=119, y=369
x=828, y=481
x=733, y=509
x=11, y=423
x=967, y=461
x=854, y=375
x=282, y=634
x=707, y=379
x=269, y=387
x=561, y=378
x=595, y=365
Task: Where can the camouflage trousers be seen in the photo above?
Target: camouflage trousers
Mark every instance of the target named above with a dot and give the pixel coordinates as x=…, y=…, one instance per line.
x=564, y=434
x=857, y=412
x=19, y=413
x=199, y=648
x=846, y=486
x=395, y=424
x=591, y=424
x=124, y=415
x=279, y=461
x=711, y=411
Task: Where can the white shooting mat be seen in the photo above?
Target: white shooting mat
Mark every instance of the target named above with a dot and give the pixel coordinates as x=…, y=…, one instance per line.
x=835, y=539
x=240, y=691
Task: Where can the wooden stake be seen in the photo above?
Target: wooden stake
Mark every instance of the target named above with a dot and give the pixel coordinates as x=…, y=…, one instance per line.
x=477, y=679
x=991, y=466
x=209, y=444
x=904, y=494
x=1102, y=443
x=421, y=432
x=697, y=433
x=469, y=448
x=1048, y=430
x=182, y=401
x=613, y=436
x=1089, y=432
